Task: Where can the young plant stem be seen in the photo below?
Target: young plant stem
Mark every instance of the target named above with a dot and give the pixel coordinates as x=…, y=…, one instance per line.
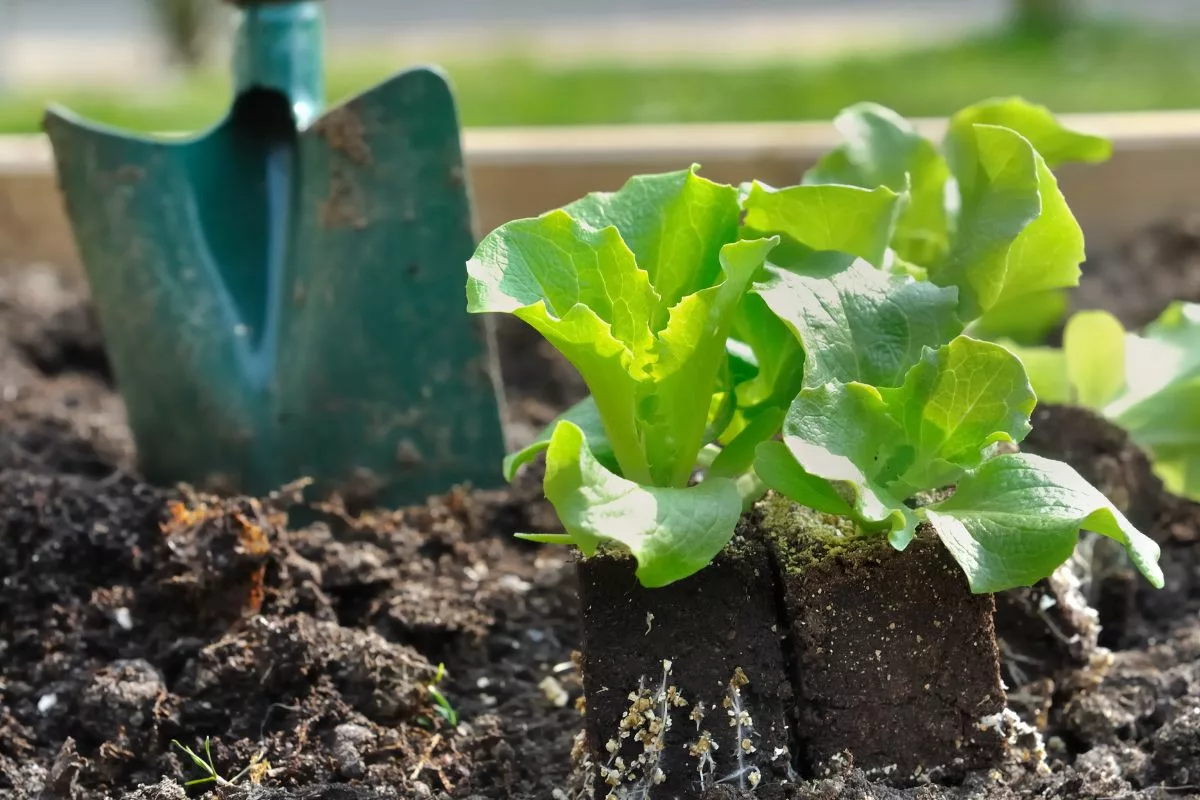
x=751, y=488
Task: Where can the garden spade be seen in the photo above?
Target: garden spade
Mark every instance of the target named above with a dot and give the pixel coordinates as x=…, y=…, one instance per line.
x=281, y=296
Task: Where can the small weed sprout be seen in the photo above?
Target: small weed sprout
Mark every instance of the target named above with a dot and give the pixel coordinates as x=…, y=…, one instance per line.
x=255, y=769
x=441, y=704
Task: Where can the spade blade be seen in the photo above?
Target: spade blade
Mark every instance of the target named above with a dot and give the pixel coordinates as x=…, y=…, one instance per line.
x=282, y=303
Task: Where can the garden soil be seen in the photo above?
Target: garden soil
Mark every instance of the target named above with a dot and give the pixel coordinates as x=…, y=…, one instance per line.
x=1139, y=279
x=132, y=616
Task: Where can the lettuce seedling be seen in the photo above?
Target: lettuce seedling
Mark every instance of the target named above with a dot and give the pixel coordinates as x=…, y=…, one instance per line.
x=852, y=341
x=1147, y=384
x=984, y=212
x=639, y=289
x=861, y=452
x=902, y=417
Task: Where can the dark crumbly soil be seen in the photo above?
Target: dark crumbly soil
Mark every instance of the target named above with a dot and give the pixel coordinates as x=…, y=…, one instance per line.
x=135, y=616
x=132, y=615
x=1137, y=281
x=893, y=641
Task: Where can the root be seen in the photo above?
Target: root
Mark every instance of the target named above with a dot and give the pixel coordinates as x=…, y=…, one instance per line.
x=746, y=775
x=647, y=722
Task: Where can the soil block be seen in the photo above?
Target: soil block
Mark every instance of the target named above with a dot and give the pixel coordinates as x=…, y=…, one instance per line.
x=686, y=686
x=896, y=662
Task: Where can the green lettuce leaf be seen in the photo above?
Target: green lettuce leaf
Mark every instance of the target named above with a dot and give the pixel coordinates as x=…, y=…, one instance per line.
x=1148, y=384
x=778, y=357
x=585, y=416
x=675, y=224
x=1166, y=354
x=811, y=221
x=856, y=323
x=983, y=212
x=876, y=448
x=639, y=291
x=1179, y=469
x=1015, y=234
x=953, y=405
x=1088, y=370
x=1046, y=368
x=1056, y=143
x=672, y=532
x=883, y=149
x=1026, y=320
x=737, y=456
x=847, y=219
x=1094, y=349
x=832, y=458
x=1016, y=518
x=582, y=290
x=1160, y=402
x=777, y=466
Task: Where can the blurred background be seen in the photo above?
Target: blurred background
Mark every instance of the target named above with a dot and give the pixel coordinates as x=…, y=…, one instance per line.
x=159, y=64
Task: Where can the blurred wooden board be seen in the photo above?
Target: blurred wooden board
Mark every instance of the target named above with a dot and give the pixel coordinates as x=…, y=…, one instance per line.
x=1154, y=173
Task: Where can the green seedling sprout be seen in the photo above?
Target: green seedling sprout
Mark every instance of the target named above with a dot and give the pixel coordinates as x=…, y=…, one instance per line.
x=208, y=766
x=823, y=340
x=640, y=290
x=441, y=704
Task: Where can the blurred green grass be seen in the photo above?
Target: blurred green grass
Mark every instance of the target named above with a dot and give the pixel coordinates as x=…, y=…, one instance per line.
x=1095, y=68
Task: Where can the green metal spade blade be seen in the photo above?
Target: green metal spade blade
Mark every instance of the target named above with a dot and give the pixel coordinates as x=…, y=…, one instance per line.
x=282, y=296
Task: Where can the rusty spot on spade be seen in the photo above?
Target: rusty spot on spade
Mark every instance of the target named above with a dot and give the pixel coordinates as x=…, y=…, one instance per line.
x=342, y=130
x=341, y=209
x=129, y=173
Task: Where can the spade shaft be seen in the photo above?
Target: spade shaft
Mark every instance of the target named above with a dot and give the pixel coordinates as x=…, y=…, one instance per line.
x=280, y=47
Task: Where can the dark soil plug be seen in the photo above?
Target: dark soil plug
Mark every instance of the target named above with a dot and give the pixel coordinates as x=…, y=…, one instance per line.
x=686, y=686
x=896, y=662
